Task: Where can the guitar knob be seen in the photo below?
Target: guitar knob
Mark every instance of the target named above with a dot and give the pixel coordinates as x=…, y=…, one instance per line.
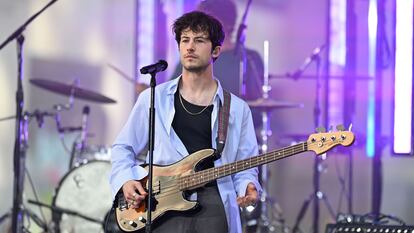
x=142, y=219
x=133, y=224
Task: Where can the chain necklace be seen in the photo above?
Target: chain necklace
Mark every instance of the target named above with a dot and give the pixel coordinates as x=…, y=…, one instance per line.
x=192, y=113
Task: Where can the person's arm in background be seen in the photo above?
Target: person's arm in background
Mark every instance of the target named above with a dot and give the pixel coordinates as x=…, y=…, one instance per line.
x=254, y=82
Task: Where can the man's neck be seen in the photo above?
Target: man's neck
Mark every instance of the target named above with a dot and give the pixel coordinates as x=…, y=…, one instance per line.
x=198, y=87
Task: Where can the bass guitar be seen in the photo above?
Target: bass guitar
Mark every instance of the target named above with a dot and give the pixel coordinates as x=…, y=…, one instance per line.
x=170, y=182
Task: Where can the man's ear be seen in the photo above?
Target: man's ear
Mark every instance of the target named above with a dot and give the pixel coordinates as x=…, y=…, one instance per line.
x=216, y=52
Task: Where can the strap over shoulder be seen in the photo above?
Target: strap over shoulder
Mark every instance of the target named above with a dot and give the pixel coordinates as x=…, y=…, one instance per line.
x=223, y=121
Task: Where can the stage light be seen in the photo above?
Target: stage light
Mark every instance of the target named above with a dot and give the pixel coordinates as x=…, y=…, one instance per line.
x=337, y=60
x=145, y=36
x=372, y=56
x=402, y=143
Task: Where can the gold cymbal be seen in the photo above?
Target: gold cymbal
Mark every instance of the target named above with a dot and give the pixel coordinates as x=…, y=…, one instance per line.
x=66, y=89
x=269, y=104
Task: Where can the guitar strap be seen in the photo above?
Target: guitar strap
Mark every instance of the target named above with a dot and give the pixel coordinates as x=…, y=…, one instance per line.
x=223, y=122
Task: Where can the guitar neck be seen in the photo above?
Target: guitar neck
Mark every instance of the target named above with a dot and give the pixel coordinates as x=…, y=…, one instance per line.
x=205, y=176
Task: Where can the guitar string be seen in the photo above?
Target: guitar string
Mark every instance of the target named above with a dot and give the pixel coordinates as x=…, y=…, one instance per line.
x=197, y=181
x=172, y=189
x=210, y=173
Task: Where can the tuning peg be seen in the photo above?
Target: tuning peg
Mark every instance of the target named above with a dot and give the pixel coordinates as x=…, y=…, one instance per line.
x=321, y=129
x=340, y=127
x=350, y=127
x=330, y=129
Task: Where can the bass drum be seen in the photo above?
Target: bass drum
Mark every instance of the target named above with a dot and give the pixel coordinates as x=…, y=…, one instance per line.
x=84, y=190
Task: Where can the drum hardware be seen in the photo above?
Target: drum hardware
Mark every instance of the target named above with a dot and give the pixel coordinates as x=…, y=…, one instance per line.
x=20, y=145
x=267, y=206
x=316, y=195
x=39, y=116
x=59, y=210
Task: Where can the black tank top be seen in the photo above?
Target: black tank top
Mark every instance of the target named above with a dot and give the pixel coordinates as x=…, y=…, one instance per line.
x=193, y=130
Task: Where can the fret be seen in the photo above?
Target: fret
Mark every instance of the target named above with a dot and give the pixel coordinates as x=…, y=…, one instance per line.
x=214, y=173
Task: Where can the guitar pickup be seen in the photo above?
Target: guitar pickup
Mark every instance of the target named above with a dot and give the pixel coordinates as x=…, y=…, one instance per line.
x=156, y=188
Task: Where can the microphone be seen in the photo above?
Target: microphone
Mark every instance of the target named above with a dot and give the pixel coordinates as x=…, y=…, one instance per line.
x=161, y=65
x=315, y=54
x=85, y=116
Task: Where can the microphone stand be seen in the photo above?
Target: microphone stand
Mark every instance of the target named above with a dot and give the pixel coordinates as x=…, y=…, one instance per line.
x=20, y=144
x=240, y=39
x=316, y=194
x=151, y=135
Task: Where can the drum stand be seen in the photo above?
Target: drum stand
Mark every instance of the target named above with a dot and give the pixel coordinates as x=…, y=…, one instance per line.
x=78, y=147
x=17, y=226
x=267, y=205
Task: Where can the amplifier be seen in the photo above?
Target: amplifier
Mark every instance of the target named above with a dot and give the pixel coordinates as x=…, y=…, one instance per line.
x=365, y=227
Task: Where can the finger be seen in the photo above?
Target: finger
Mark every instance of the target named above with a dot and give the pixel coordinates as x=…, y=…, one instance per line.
x=251, y=200
x=241, y=201
x=140, y=189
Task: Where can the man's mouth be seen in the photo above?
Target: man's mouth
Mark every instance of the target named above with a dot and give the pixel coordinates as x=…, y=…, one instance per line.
x=190, y=56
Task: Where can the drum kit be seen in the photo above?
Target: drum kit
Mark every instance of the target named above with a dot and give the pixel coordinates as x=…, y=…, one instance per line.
x=83, y=197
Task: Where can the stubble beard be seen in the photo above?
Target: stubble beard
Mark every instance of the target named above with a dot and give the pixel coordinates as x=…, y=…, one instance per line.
x=196, y=68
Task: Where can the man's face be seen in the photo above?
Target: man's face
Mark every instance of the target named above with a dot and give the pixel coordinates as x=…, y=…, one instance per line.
x=195, y=50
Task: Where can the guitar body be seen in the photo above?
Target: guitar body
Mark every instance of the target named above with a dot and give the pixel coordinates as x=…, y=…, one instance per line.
x=166, y=192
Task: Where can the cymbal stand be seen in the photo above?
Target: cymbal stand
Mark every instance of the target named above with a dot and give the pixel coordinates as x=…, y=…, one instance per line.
x=317, y=194
x=267, y=204
x=241, y=50
x=79, y=146
x=20, y=146
x=24, y=138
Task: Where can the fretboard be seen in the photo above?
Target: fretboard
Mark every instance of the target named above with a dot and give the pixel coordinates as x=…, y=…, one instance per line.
x=205, y=176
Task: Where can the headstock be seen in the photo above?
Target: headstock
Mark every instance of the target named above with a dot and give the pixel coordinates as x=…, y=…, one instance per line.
x=322, y=142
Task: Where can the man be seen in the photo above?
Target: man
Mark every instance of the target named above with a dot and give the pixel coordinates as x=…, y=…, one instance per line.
x=227, y=67
x=187, y=121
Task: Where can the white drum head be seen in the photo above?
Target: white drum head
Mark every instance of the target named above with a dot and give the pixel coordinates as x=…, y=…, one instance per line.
x=85, y=190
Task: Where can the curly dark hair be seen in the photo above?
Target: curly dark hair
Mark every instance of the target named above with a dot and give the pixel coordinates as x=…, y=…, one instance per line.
x=198, y=21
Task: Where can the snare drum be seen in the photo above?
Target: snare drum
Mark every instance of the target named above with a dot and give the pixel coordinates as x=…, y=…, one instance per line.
x=85, y=189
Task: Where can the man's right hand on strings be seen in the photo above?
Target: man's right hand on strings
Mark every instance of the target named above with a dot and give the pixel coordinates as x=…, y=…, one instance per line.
x=134, y=193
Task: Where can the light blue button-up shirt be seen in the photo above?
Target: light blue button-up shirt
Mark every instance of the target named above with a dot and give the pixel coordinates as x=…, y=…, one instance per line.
x=240, y=144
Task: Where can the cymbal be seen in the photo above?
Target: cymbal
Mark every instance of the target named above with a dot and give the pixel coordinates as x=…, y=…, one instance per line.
x=269, y=104
x=66, y=89
x=288, y=76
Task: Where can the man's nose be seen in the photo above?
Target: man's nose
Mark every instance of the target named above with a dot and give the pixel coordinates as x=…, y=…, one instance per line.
x=190, y=46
